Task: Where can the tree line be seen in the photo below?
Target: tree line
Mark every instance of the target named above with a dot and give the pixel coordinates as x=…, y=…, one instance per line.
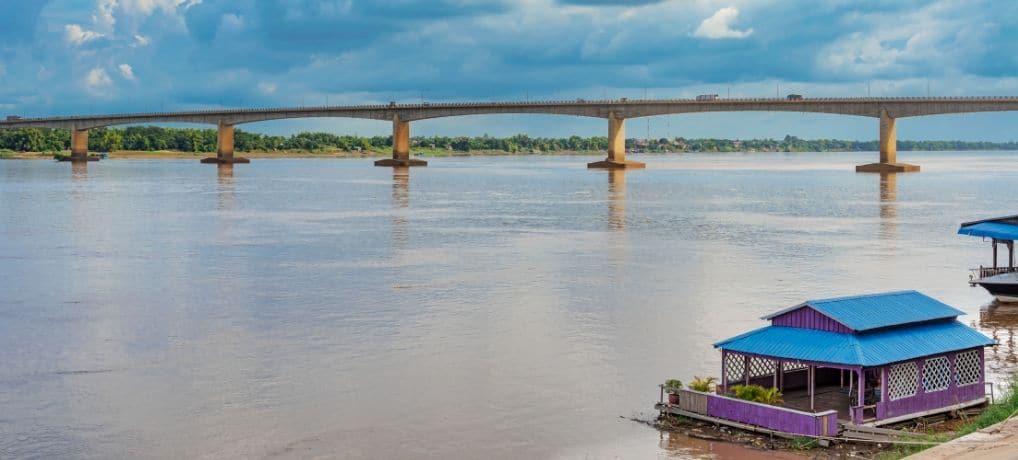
x=150, y=138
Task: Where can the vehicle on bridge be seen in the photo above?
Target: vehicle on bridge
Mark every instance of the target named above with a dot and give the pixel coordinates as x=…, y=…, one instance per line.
x=795, y=97
x=707, y=97
x=13, y=117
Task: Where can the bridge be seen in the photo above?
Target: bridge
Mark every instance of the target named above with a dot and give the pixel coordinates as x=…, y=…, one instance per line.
x=616, y=111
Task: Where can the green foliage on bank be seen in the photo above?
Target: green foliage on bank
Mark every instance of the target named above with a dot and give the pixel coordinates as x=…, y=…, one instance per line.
x=1004, y=407
x=151, y=138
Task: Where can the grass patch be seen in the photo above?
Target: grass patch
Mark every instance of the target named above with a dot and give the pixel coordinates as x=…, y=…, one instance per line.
x=803, y=443
x=1003, y=408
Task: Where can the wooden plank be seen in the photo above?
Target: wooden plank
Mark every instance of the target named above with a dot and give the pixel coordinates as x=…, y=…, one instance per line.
x=693, y=401
x=720, y=421
x=874, y=430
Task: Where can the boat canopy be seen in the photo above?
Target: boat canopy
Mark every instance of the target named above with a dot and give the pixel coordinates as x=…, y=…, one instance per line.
x=1000, y=228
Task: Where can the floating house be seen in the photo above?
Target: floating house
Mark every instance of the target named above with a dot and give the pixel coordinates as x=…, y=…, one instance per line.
x=865, y=360
x=999, y=280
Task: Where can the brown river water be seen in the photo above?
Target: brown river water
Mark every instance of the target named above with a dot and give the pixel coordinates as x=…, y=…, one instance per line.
x=476, y=308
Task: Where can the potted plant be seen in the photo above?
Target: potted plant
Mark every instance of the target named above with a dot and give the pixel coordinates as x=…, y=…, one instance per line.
x=672, y=387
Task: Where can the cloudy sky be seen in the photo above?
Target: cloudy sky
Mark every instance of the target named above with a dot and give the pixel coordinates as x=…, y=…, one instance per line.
x=78, y=56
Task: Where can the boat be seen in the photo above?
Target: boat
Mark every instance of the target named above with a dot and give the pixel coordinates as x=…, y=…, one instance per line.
x=998, y=280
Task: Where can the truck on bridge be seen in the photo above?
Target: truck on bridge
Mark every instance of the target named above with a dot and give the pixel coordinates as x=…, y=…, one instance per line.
x=795, y=97
x=707, y=97
x=13, y=117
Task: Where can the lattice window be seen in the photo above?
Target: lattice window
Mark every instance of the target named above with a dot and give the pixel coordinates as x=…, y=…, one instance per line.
x=902, y=380
x=760, y=367
x=794, y=366
x=735, y=367
x=936, y=374
x=968, y=368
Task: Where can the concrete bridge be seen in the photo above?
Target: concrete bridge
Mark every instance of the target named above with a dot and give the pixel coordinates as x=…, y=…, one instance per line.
x=616, y=111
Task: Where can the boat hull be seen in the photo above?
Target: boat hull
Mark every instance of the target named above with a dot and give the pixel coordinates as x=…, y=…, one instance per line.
x=1003, y=287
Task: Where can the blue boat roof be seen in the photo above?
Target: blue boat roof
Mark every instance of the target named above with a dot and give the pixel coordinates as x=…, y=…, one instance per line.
x=873, y=348
x=990, y=229
x=873, y=311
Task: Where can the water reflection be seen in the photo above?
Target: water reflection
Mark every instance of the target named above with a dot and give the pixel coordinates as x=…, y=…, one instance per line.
x=224, y=186
x=400, y=204
x=617, y=199
x=888, y=205
x=79, y=170
x=1000, y=321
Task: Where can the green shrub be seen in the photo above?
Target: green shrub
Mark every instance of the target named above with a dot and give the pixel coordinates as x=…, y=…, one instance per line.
x=704, y=384
x=673, y=385
x=757, y=393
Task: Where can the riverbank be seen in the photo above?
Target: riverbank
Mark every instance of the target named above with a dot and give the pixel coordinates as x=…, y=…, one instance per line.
x=996, y=442
x=173, y=154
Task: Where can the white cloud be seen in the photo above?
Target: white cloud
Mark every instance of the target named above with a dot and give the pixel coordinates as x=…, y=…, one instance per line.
x=97, y=78
x=267, y=88
x=75, y=35
x=103, y=16
x=141, y=40
x=126, y=71
x=719, y=25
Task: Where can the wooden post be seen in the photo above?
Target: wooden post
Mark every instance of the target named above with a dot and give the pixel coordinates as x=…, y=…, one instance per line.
x=724, y=372
x=811, y=376
x=1010, y=254
x=745, y=367
x=862, y=390
x=995, y=254
x=777, y=368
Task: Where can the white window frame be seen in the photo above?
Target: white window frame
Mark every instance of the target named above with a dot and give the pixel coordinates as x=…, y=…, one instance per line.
x=958, y=358
x=944, y=377
x=898, y=378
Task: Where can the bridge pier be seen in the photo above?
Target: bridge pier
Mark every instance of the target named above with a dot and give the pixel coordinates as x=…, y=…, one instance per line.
x=888, y=150
x=400, y=146
x=79, y=147
x=224, y=148
x=616, y=147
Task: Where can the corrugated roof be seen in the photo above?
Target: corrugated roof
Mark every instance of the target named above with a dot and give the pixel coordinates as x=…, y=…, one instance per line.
x=873, y=348
x=998, y=230
x=873, y=311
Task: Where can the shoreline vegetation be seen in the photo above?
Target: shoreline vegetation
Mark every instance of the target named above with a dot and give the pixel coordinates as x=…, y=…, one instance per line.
x=157, y=142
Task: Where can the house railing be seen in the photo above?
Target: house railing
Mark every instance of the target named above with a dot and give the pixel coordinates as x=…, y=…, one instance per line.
x=775, y=418
x=985, y=272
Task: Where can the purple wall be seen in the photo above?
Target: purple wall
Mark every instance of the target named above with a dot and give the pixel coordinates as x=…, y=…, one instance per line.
x=934, y=400
x=808, y=318
x=772, y=417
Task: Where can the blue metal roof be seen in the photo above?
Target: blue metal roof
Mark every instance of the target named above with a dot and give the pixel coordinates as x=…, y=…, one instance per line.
x=873, y=348
x=874, y=311
x=998, y=230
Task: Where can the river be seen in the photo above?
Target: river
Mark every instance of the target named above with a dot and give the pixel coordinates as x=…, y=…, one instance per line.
x=482, y=307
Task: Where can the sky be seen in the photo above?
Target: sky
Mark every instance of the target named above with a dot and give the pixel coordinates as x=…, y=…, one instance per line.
x=111, y=56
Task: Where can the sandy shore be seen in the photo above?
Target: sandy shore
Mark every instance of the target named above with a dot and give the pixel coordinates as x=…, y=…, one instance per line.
x=996, y=442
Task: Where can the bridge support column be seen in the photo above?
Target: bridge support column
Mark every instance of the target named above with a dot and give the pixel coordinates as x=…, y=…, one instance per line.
x=888, y=150
x=79, y=147
x=224, y=148
x=616, y=147
x=400, y=146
